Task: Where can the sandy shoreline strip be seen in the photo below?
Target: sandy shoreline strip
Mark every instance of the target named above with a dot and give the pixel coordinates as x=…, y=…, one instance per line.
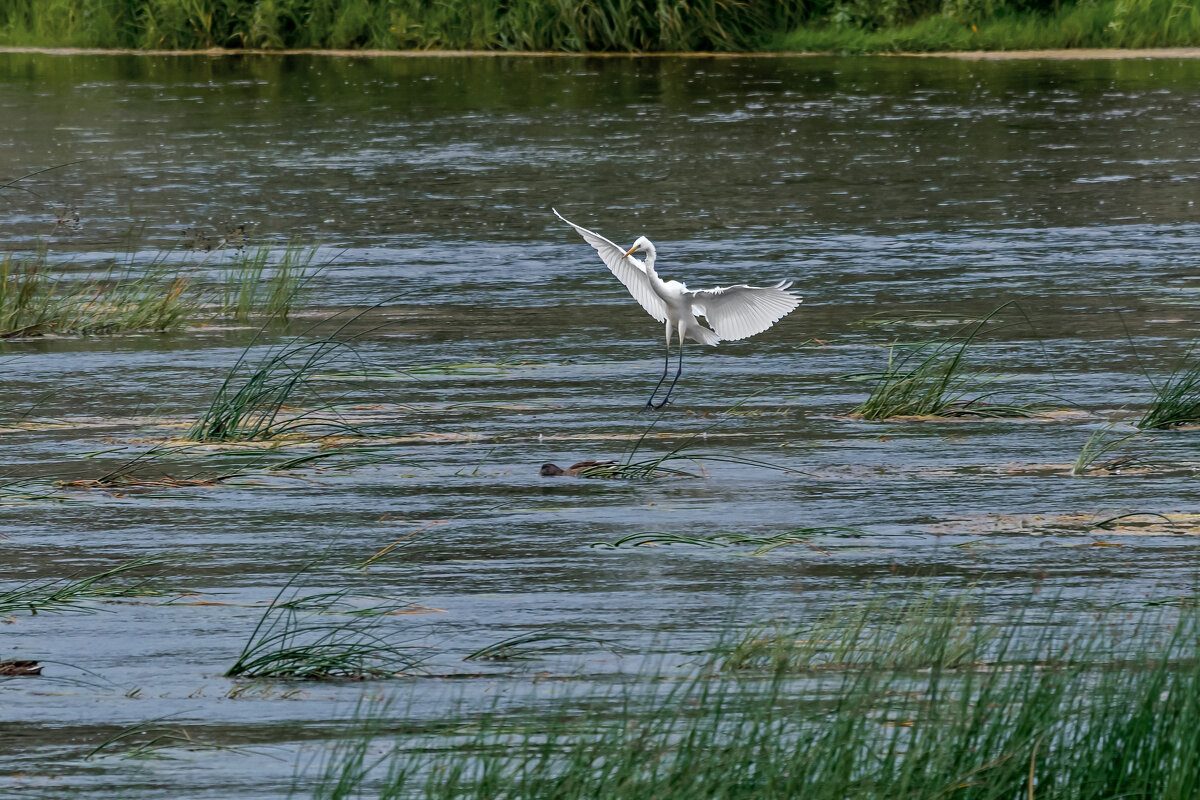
x=977, y=55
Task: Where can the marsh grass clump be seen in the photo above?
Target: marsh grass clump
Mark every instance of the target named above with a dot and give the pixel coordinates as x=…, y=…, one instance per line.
x=37, y=298
x=315, y=637
x=1095, y=712
x=931, y=379
x=252, y=402
x=927, y=629
x=157, y=739
x=73, y=594
x=1100, y=444
x=260, y=282
x=1177, y=399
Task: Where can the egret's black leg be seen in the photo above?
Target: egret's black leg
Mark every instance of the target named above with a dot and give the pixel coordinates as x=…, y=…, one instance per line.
x=678, y=372
x=666, y=366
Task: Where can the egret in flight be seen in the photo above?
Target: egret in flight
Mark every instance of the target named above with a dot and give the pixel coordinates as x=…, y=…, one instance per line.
x=734, y=312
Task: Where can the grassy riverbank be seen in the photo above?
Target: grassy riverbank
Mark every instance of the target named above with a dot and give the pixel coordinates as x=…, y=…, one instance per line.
x=855, y=26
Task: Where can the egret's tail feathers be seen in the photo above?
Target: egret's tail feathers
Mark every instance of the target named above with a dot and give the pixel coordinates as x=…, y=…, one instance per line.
x=701, y=334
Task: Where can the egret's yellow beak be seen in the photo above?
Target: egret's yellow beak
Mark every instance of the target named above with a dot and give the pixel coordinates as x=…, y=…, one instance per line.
x=630, y=250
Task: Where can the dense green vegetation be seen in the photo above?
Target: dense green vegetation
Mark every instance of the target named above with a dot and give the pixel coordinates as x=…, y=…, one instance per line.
x=603, y=25
x=924, y=697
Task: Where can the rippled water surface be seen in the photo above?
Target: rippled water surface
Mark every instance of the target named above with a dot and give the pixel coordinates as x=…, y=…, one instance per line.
x=906, y=197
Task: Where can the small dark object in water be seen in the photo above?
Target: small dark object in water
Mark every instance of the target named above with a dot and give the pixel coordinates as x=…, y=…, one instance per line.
x=8, y=668
x=573, y=471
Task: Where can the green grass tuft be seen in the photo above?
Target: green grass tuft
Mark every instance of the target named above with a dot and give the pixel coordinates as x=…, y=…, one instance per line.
x=1099, y=444
x=931, y=379
x=294, y=640
x=252, y=402
x=73, y=594
x=1177, y=399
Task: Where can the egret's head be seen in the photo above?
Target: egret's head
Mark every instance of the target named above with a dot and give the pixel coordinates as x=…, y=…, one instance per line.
x=642, y=244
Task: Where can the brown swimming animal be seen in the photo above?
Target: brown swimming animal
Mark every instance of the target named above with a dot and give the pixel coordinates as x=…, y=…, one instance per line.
x=573, y=471
x=10, y=668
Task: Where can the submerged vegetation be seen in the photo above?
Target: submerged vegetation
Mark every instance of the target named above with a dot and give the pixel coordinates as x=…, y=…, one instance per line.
x=603, y=25
x=761, y=544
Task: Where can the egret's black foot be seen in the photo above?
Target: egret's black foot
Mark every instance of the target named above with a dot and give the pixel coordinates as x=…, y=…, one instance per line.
x=649, y=406
x=663, y=403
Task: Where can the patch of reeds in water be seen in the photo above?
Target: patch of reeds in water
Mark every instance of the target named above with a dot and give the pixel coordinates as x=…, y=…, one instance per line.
x=1102, y=442
x=932, y=379
x=73, y=594
x=39, y=297
x=318, y=637
x=36, y=298
x=251, y=403
x=928, y=701
x=1177, y=399
x=263, y=283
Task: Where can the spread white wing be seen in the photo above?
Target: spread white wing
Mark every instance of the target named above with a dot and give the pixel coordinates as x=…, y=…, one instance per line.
x=736, y=312
x=629, y=270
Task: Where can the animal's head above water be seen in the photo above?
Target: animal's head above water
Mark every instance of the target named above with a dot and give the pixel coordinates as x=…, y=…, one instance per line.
x=551, y=470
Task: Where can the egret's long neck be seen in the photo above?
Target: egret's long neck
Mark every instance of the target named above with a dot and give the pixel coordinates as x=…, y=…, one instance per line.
x=650, y=256
x=656, y=282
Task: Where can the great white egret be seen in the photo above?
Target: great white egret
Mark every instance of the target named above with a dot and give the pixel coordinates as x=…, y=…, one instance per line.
x=734, y=312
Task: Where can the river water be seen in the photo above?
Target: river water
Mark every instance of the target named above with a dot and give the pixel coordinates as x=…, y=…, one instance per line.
x=904, y=196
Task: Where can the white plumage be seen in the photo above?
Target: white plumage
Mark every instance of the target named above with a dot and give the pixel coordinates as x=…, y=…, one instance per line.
x=734, y=312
